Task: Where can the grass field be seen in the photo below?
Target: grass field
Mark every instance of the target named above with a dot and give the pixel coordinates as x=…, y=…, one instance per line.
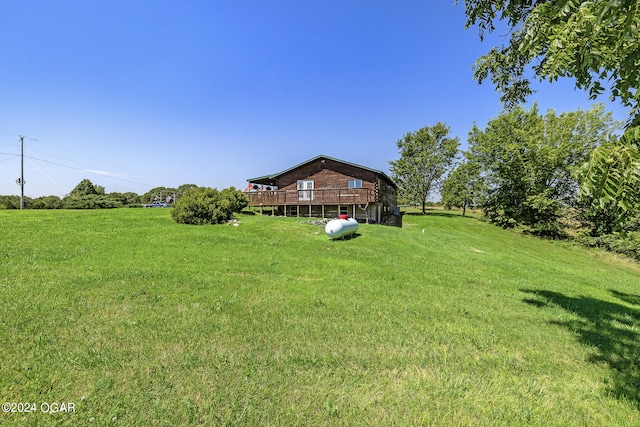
x=138, y=321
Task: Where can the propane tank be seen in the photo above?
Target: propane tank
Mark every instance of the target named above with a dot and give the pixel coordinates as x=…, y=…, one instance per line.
x=337, y=228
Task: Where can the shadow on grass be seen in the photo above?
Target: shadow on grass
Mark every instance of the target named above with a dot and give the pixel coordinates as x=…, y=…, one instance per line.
x=610, y=327
x=349, y=237
x=630, y=298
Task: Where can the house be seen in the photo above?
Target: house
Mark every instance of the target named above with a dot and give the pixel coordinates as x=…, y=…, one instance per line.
x=326, y=187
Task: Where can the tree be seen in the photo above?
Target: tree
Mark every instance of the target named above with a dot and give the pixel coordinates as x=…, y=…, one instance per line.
x=184, y=188
x=127, y=199
x=590, y=41
x=596, y=43
x=85, y=188
x=528, y=163
x=85, y=195
x=47, y=202
x=463, y=187
x=425, y=156
x=91, y=201
x=13, y=202
x=156, y=194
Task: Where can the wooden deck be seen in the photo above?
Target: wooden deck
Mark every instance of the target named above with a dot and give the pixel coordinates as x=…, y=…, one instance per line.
x=326, y=196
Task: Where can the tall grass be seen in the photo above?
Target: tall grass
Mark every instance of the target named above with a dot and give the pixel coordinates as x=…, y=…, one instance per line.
x=141, y=321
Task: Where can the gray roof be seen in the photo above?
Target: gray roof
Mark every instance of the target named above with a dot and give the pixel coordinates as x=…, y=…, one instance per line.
x=321, y=156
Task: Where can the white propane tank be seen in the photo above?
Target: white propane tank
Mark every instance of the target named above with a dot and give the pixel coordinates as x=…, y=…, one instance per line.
x=337, y=228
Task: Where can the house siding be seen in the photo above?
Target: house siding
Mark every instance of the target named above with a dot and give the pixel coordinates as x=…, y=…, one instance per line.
x=331, y=194
x=326, y=173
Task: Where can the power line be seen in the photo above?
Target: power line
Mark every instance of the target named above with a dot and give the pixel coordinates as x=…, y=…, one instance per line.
x=82, y=169
x=67, y=160
x=47, y=175
x=88, y=171
x=78, y=169
x=11, y=156
x=86, y=157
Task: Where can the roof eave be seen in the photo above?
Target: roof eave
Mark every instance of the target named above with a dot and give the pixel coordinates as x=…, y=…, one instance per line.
x=270, y=179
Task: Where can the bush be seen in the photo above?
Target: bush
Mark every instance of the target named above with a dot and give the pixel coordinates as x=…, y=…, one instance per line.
x=13, y=202
x=91, y=201
x=237, y=199
x=627, y=244
x=542, y=214
x=47, y=202
x=204, y=205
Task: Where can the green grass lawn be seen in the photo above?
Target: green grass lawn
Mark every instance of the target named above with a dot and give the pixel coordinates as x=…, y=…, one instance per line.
x=139, y=321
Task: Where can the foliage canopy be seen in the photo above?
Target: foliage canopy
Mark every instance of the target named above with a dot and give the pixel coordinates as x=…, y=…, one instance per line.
x=463, y=187
x=528, y=161
x=595, y=42
x=86, y=188
x=610, y=183
x=425, y=156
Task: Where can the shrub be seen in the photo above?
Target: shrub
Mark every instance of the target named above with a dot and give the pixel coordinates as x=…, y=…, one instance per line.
x=542, y=215
x=91, y=201
x=13, y=202
x=204, y=205
x=237, y=199
x=627, y=244
x=47, y=202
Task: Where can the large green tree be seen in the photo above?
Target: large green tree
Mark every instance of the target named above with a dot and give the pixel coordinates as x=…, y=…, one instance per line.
x=528, y=162
x=425, y=156
x=463, y=187
x=597, y=43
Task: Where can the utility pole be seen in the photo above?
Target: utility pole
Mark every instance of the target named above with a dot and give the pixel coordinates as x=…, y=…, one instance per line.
x=20, y=180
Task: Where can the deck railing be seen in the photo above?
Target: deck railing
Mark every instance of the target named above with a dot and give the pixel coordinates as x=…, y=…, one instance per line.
x=321, y=196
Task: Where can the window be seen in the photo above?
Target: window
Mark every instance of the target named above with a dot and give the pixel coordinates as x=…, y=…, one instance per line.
x=305, y=188
x=355, y=183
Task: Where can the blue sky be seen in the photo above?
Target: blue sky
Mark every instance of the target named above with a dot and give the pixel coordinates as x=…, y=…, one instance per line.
x=137, y=94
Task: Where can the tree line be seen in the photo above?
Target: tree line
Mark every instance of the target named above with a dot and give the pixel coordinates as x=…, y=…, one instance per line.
x=525, y=170
x=192, y=204
x=87, y=195
x=567, y=175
